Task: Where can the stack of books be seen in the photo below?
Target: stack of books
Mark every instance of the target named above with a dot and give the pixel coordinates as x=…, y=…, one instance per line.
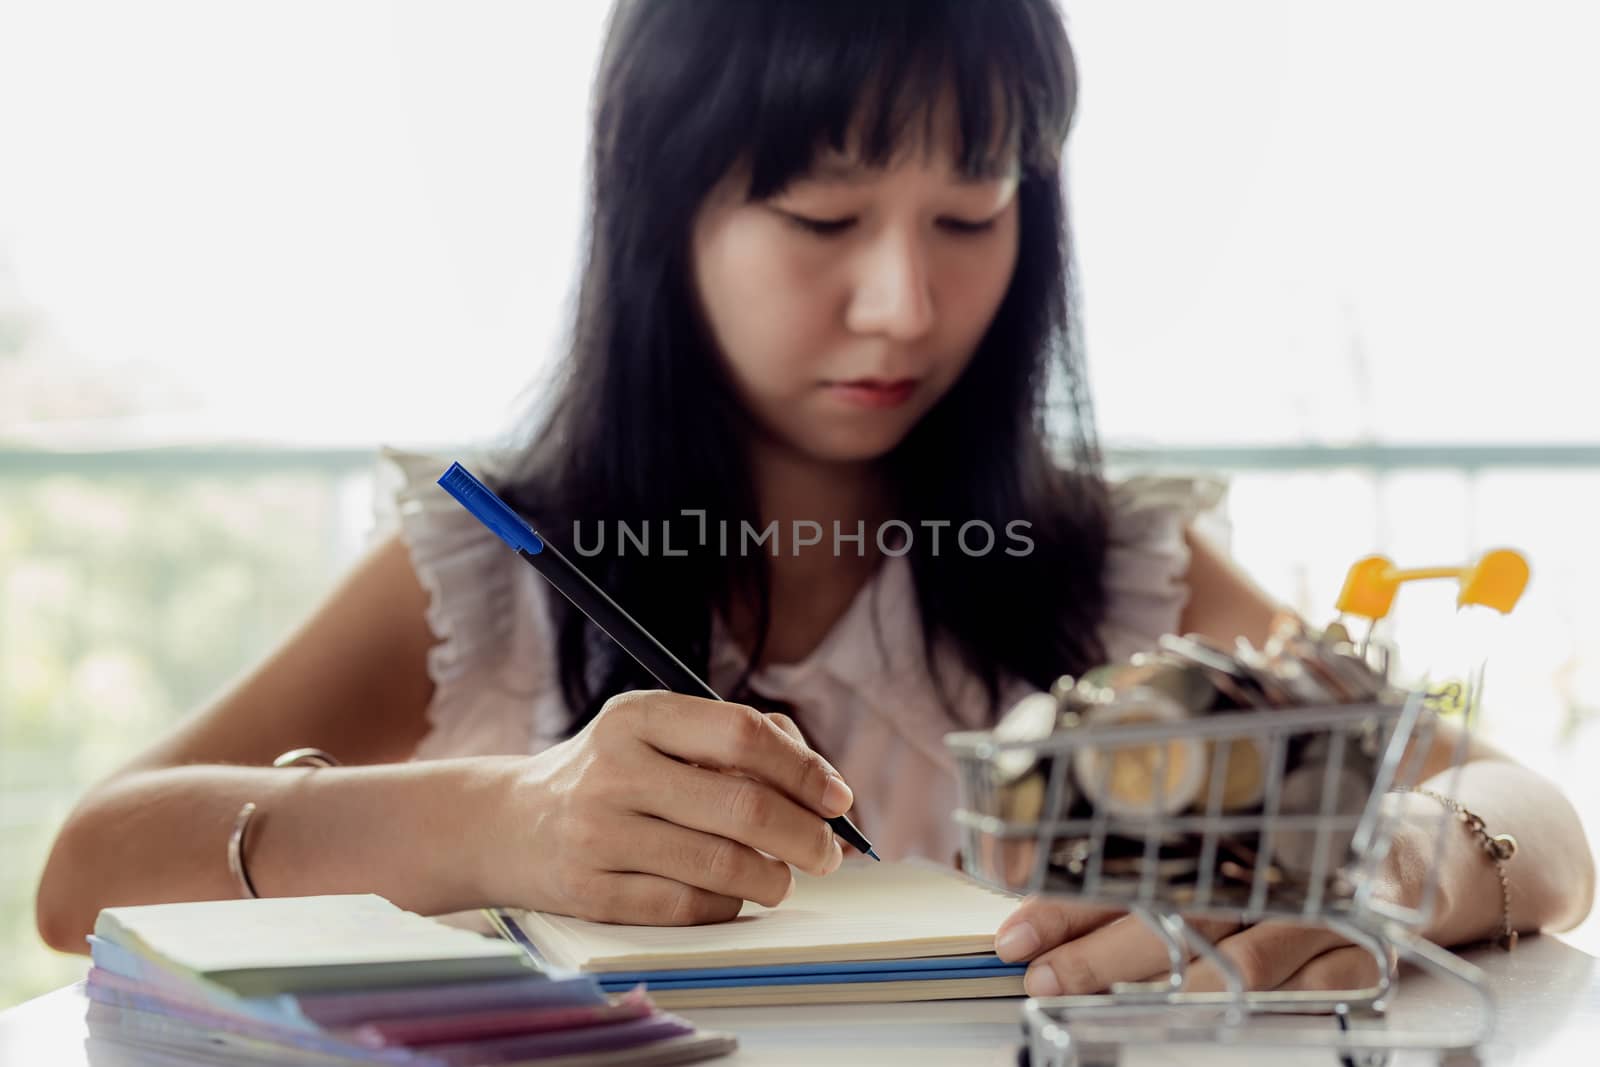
x=868, y=932
x=353, y=979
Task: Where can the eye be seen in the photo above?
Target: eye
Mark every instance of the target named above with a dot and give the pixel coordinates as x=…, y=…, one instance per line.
x=820, y=227
x=966, y=226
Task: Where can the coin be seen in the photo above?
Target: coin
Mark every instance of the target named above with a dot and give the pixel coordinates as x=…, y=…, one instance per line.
x=1295, y=848
x=1219, y=669
x=1355, y=671
x=1258, y=671
x=1343, y=691
x=1030, y=720
x=1022, y=801
x=1133, y=778
x=1308, y=687
x=1123, y=864
x=1185, y=682
x=1201, y=650
x=1245, y=774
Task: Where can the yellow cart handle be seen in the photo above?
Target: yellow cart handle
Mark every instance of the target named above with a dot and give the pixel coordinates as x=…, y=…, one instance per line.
x=1496, y=580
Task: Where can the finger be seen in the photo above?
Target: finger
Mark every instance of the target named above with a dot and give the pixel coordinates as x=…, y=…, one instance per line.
x=650, y=900
x=719, y=865
x=1125, y=950
x=1041, y=923
x=787, y=725
x=734, y=737
x=746, y=810
x=1265, y=956
x=1349, y=967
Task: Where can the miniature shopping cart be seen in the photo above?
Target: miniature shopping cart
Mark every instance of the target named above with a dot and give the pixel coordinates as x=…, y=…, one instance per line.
x=1207, y=783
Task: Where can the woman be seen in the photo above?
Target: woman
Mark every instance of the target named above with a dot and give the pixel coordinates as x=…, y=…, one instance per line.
x=825, y=294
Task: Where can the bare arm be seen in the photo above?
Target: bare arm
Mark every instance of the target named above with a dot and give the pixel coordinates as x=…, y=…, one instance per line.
x=353, y=680
x=1224, y=602
x=629, y=821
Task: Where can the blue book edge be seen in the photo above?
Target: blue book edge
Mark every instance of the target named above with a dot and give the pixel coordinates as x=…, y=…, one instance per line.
x=849, y=978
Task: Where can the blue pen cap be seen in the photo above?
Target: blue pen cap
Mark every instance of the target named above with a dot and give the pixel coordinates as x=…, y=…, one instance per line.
x=490, y=509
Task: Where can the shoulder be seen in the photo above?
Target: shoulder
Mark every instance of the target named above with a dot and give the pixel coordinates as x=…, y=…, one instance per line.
x=1149, y=551
x=494, y=660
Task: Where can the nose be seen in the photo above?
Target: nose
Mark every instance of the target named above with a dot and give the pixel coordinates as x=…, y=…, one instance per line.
x=892, y=296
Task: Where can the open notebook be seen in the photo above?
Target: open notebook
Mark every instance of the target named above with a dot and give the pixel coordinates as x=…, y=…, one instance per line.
x=867, y=932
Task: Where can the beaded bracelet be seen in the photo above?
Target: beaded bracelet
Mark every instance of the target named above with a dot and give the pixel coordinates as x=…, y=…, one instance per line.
x=1499, y=849
x=299, y=757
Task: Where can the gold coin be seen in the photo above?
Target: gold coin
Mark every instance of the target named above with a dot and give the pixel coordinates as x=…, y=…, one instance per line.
x=1023, y=800
x=1245, y=778
x=1141, y=778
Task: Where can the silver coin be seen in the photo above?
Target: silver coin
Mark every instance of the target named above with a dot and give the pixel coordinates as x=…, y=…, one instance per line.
x=1030, y=720
x=1186, y=683
x=1219, y=668
x=1295, y=849
x=1257, y=670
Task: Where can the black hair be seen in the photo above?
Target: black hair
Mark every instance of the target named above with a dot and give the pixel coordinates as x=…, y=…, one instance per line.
x=641, y=422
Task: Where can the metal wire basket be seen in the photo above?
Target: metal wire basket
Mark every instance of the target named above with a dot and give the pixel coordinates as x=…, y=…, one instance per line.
x=1250, y=815
x=1309, y=850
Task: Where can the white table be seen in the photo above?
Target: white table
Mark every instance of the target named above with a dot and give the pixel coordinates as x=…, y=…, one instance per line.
x=1548, y=993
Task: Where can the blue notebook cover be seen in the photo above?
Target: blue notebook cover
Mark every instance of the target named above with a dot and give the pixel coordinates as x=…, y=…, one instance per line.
x=931, y=968
x=676, y=981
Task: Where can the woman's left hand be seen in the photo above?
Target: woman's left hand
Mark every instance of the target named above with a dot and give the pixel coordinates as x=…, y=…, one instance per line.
x=1077, y=949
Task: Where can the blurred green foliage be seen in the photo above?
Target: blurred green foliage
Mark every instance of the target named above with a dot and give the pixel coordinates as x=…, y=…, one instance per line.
x=126, y=602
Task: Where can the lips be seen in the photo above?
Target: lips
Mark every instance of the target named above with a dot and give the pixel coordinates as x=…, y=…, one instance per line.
x=873, y=392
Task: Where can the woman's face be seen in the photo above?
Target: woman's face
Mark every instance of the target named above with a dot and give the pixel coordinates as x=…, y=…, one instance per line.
x=846, y=304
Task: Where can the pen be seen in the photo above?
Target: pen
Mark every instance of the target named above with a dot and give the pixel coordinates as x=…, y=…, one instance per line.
x=590, y=599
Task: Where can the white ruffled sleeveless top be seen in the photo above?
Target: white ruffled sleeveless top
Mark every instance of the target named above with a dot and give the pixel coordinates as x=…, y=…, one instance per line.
x=869, y=706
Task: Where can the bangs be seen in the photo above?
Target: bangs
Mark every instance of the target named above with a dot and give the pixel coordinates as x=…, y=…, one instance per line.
x=864, y=79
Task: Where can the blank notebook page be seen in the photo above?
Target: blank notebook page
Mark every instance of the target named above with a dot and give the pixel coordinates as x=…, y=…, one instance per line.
x=863, y=911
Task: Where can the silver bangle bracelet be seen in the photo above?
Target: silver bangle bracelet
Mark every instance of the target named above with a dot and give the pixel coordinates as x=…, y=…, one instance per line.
x=299, y=757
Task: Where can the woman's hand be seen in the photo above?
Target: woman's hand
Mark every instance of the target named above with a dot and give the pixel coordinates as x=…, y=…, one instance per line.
x=667, y=810
x=1075, y=949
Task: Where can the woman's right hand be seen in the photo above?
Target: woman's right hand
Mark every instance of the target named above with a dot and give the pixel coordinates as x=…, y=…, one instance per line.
x=667, y=810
